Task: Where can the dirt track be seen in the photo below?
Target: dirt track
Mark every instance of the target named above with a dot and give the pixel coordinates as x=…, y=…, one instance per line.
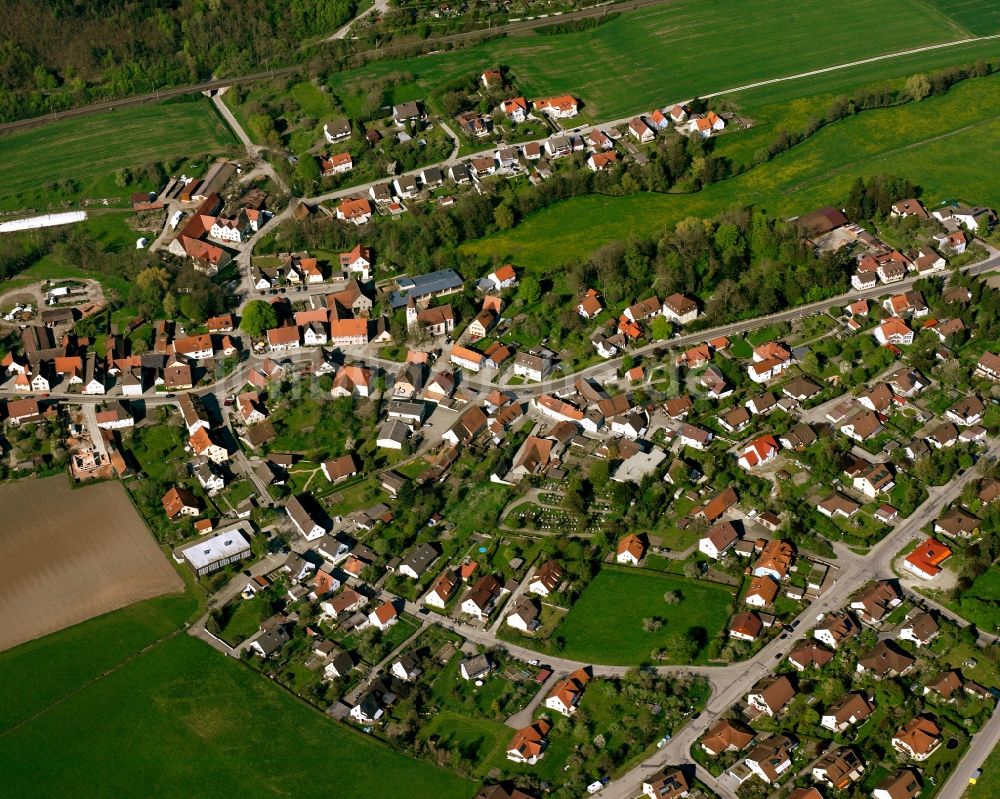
x=67, y=556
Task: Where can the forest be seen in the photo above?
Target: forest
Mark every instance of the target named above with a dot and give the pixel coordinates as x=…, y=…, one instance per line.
x=56, y=54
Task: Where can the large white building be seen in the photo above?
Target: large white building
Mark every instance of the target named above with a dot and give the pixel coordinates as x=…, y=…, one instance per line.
x=215, y=552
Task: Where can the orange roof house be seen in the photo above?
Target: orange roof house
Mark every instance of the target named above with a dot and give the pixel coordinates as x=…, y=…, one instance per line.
x=925, y=561
x=630, y=549
x=566, y=694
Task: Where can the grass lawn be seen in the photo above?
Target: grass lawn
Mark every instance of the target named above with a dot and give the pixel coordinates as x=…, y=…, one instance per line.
x=988, y=785
x=87, y=152
x=311, y=100
x=740, y=33
x=244, y=618
x=181, y=720
x=980, y=604
x=155, y=447
x=479, y=508
x=911, y=140
x=605, y=625
x=481, y=740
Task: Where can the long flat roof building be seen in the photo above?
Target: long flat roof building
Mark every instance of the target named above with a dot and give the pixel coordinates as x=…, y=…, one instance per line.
x=435, y=284
x=212, y=553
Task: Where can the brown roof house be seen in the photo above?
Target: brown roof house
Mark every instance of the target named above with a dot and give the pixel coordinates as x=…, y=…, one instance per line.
x=839, y=769
x=849, y=710
x=727, y=736
x=885, y=660
x=771, y=695
x=918, y=739
x=903, y=784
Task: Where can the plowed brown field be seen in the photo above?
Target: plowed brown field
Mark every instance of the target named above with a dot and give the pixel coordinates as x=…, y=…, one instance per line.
x=67, y=556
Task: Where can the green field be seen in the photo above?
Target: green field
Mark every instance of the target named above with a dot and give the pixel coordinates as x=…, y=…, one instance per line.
x=672, y=52
x=177, y=719
x=605, y=625
x=975, y=16
x=980, y=604
x=89, y=151
x=913, y=140
x=39, y=673
x=988, y=785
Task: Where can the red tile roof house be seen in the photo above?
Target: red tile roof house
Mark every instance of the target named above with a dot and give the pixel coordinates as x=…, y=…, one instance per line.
x=762, y=592
x=567, y=693
x=716, y=506
x=630, y=550
x=529, y=743
x=745, y=626
x=179, y=501
x=601, y=161
x=918, y=739
x=759, y=452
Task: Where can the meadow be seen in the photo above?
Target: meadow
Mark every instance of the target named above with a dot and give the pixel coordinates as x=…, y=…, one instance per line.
x=177, y=719
x=913, y=140
x=678, y=50
x=36, y=164
x=607, y=621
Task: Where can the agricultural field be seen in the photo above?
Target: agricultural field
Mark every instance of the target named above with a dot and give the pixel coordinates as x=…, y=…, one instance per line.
x=911, y=140
x=180, y=720
x=607, y=620
x=73, y=159
x=662, y=51
x=45, y=671
x=977, y=17
x=67, y=556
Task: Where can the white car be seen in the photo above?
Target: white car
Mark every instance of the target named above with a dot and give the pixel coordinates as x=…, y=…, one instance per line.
x=595, y=787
